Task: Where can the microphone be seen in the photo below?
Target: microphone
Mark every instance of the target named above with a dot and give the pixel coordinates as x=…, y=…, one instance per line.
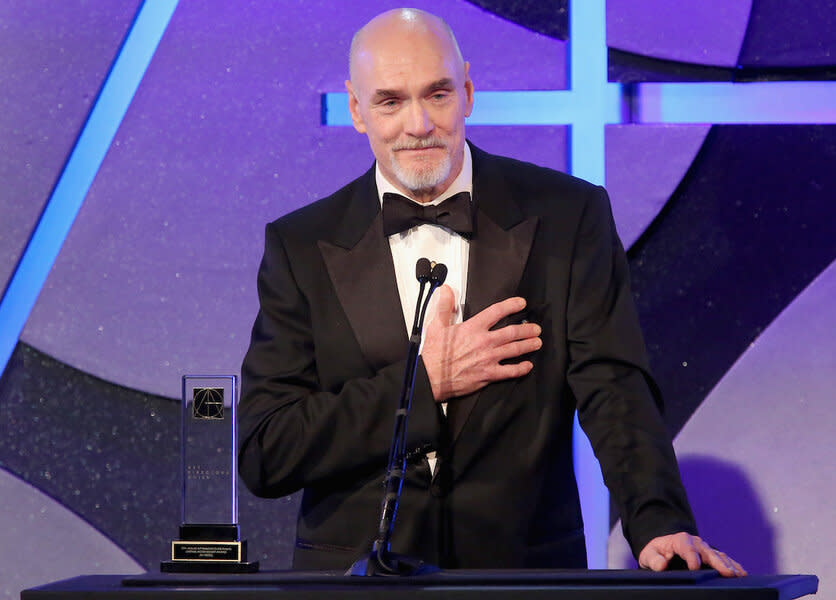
x=423, y=270
x=438, y=274
x=381, y=561
x=436, y=278
x=423, y=273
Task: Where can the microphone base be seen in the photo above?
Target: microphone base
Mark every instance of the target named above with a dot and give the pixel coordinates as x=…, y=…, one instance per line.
x=397, y=565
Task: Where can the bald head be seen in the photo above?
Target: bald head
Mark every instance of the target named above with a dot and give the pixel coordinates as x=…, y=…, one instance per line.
x=410, y=93
x=394, y=26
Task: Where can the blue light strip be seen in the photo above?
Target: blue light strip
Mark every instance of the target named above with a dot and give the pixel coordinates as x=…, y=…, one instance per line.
x=784, y=102
x=781, y=102
x=81, y=168
x=559, y=107
x=593, y=100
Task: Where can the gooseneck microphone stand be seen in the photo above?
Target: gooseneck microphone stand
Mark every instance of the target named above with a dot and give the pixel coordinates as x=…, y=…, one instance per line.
x=381, y=561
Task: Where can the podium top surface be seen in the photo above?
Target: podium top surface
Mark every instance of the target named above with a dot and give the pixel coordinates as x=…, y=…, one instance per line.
x=463, y=584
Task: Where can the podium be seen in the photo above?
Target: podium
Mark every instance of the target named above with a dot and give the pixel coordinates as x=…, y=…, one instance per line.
x=455, y=585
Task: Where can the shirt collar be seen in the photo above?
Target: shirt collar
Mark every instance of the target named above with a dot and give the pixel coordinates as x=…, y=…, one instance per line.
x=462, y=183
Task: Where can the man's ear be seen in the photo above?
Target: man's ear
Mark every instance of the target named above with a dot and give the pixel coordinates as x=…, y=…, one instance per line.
x=354, y=108
x=468, y=88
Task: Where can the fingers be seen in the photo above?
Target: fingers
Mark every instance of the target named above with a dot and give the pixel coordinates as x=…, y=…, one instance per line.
x=724, y=564
x=721, y=564
x=511, y=333
x=685, y=547
x=511, y=371
x=498, y=311
x=463, y=358
x=667, y=546
x=652, y=558
x=516, y=348
x=510, y=342
x=739, y=571
x=694, y=551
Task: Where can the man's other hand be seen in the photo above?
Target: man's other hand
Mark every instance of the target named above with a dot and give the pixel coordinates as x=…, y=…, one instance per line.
x=694, y=551
x=462, y=358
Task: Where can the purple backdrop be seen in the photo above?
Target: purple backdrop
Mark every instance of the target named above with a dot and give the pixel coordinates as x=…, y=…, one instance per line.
x=704, y=32
x=644, y=165
x=53, y=59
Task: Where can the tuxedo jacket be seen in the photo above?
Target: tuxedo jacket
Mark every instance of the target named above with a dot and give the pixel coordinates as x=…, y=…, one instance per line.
x=321, y=380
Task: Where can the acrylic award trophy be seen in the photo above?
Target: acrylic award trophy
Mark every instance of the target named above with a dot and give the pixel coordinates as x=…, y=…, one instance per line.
x=209, y=541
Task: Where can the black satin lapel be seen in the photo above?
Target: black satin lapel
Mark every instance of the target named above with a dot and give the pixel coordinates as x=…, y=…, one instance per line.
x=364, y=279
x=496, y=264
x=497, y=260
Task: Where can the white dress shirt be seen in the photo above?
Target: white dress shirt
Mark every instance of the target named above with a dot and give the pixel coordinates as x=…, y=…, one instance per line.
x=435, y=242
x=438, y=244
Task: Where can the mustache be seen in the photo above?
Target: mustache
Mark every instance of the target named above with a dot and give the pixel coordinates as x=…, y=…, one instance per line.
x=430, y=142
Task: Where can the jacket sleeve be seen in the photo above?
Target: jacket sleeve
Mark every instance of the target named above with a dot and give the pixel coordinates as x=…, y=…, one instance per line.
x=293, y=433
x=619, y=405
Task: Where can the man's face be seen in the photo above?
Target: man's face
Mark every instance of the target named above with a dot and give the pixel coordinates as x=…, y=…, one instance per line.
x=410, y=94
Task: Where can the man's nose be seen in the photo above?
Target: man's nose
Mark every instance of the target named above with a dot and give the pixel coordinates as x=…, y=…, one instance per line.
x=418, y=121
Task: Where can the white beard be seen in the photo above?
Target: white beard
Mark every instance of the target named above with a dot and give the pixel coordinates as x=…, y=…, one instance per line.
x=423, y=178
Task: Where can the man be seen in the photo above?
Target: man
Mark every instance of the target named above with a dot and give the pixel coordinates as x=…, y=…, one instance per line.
x=536, y=320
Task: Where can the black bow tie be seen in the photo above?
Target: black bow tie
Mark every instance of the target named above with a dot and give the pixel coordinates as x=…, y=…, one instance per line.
x=400, y=213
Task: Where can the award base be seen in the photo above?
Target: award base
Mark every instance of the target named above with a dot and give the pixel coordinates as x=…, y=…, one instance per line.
x=209, y=549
